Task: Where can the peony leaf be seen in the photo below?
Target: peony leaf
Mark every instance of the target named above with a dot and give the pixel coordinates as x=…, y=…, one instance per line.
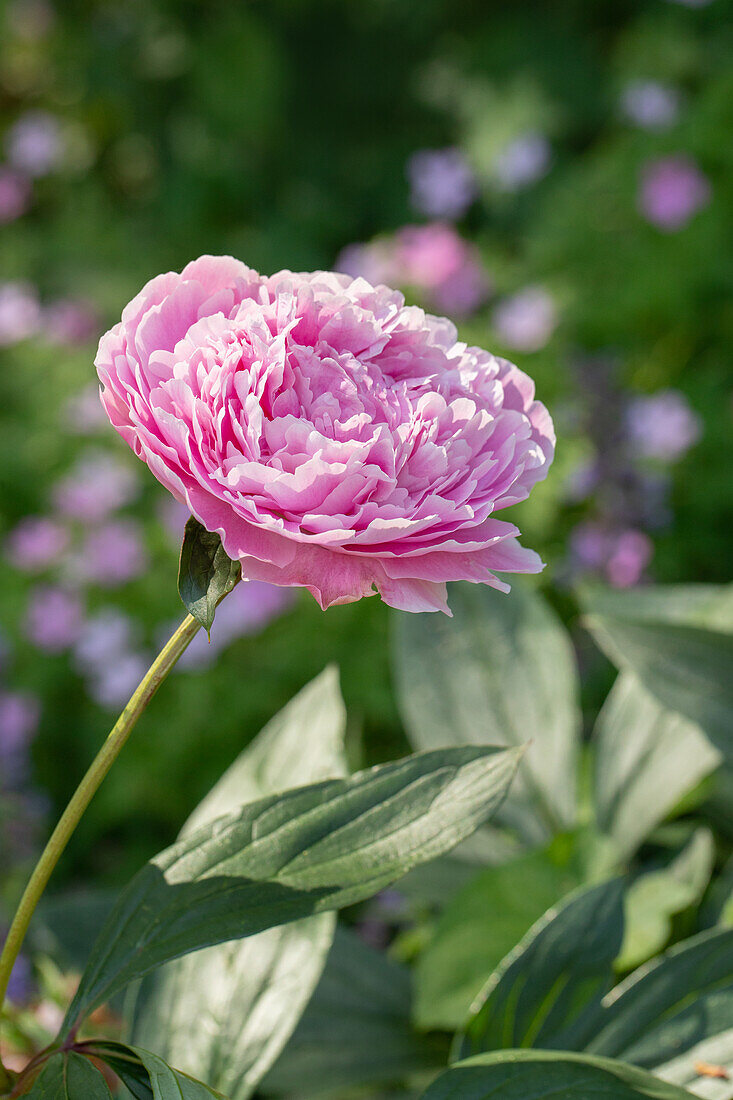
x=291, y=855
x=545, y=991
x=501, y=671
x=680, y=645
x=668, y=1006
x=303, y=743
x=147, y=1076
x=356, y=1029
x=539, y=1075
x=480, y=925
x=69, y=1076
x=205, y=572
x=708, y=1064
x=225, y=1013
x=656, y=896
x=646, y=758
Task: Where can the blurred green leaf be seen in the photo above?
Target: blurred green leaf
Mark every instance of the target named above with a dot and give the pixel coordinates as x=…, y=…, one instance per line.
x=356, y=1030
x=205, y=572
x=303, y=743
x=646, y=758
x=655, y=897
x=501, y=671
x=703, y=605
x=687, y=666
x=292, y=855
x=223, y=1014
x=479, y=926
x=536, y=1075
x=543, y=992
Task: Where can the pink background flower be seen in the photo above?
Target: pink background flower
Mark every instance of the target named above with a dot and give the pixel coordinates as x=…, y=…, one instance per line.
x=335, y=439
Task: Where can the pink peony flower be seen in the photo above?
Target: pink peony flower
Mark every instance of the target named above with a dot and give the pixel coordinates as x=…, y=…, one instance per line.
x=334, y=438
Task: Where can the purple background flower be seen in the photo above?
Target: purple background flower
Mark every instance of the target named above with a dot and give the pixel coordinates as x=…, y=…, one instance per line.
x=442, y=184
x=673, y=189
x=523, y=161
x=651, y=105
x=526, y=320
x=53, y=618
x=36, y=543
x=15, y=194
x=20, y=312
x=97, y=485
x=34, y=144
x=662, y=425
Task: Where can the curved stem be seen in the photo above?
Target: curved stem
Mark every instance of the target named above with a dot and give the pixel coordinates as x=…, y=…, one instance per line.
x=83, y=795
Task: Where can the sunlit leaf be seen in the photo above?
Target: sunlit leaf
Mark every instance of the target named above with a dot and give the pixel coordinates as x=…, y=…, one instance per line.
x=223, y=1014
x=501, y=671
x=292, y=855
x=646, y=758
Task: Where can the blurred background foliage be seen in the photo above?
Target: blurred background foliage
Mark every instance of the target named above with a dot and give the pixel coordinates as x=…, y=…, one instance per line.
x=555, y=177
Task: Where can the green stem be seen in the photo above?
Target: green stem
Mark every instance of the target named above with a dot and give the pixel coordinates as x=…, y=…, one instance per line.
x=83, y=795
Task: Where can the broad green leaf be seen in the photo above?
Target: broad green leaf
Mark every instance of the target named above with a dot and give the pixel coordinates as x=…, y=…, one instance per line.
x=705, y=605
x=670, y=1005
x=655, y=897
x=501, y=671
x=291, y=855
x=541, y=1075
x=688, y=669
x=301, y=744
x=706, y=1069
x=479, y=926
x=718, y=904
x=542, y=992
x=69, y=1076
x=149, y=1077
x=205, y=572
x=435, y=883
x=646, y=758
x=66, y=923
x=356, y=1029
x=224, y=1014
